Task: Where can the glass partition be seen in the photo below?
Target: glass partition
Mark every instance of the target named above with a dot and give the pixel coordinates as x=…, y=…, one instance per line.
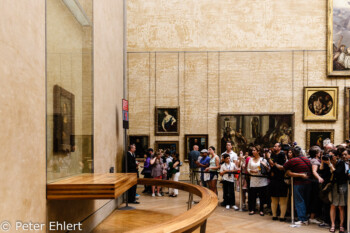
x=69, y=87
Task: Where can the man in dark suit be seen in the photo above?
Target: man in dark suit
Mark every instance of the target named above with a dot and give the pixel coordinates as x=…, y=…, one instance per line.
x=132, y=168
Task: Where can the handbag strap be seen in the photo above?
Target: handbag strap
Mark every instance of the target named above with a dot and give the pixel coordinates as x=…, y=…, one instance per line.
x=306, y=164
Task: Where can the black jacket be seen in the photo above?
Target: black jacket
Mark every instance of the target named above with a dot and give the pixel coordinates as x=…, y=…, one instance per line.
x=131, y=163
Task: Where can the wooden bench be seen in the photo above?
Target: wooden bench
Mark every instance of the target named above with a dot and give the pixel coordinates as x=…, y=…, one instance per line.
x=91, y=186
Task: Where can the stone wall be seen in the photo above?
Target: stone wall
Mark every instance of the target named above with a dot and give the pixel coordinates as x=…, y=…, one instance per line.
x=211, y=57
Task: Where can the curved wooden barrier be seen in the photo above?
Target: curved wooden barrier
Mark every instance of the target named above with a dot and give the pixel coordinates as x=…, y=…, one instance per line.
x=191, y=219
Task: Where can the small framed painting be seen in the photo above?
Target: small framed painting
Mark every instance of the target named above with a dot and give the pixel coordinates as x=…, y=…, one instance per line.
x=320, y=103
x=167, y=145
x=318, y=137
x=201, y=140
x=142, y=144
x=167, y=121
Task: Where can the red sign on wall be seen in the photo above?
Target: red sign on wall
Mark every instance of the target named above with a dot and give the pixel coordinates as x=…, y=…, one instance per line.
x=125, y=105
x=125, y=114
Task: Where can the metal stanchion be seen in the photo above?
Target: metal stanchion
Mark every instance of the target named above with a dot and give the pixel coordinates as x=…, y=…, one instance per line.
x=190, y=195
x=240, y=191
x=348, y=218
x=292, y=203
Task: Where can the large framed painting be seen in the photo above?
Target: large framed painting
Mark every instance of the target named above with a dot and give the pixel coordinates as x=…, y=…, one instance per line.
x=141, y=142
x=246, y=129
x=167, y=121
x=338, y=38
x=320, y=103
x=167, y=145
x=201, y=140
x=318, y=137
x=64, y=120
x=347, y=114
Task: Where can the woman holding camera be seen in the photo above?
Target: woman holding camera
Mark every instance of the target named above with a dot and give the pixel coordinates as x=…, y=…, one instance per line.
x=338, y=194
x=157, y=171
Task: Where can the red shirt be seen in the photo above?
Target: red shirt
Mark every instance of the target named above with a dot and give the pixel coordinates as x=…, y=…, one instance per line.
x=299, y=164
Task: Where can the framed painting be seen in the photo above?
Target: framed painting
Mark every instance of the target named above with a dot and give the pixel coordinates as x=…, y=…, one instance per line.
x=167, y=121
x=347, y=114
x=320, y=103
x=167, y=145
x=317, y=137
x=338, y=38
x=64, y=120
x=142, y=144
x=201, y=140
x=246, y=129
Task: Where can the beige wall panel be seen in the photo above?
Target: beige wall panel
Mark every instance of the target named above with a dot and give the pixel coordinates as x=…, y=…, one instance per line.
x=139, y=94
x=167, y=79
x=213, y=97
x=152, y=100
x=226, y=25
x=266, y=79
x=196, y=93
x=297, y=102
x=108, y=88
x=22, y=118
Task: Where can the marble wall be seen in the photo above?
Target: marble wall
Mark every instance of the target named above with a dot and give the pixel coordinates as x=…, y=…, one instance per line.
x=211, y=57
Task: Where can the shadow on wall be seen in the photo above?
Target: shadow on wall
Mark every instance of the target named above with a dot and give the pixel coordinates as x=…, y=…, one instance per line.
x=70, y=211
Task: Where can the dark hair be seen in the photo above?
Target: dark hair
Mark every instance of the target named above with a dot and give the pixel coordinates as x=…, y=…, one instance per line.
x=335, y=152
x=314, y=150
x=176, y=155
x=149, y=150
x=285, y=147
x=229, y=142
x=297, y=151
x=226, y=155
x=340, y=150
x=167, y=152
x=279, y=144
x=250, y=150
x=213, y=148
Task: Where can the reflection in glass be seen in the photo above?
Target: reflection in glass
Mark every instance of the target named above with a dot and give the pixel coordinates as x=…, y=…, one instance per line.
x=69, y=87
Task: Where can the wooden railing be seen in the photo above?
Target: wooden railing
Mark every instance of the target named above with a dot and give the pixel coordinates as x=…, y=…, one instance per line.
x=190, y=220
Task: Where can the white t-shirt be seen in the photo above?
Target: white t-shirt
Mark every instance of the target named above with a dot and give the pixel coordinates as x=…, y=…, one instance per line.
x=233, y=156
x=228, y=167
x=256, y=181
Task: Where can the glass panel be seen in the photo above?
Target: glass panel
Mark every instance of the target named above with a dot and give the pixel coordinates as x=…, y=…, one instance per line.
x=69, y=88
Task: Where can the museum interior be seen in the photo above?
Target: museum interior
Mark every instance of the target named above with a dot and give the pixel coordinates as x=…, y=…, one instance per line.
x=106, y=106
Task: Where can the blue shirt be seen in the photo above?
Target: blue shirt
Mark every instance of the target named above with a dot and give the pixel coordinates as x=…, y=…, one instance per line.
x=204, y=161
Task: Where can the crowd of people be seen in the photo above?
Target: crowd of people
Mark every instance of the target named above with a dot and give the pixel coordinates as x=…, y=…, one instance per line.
x=319, y=180
x=163, y=165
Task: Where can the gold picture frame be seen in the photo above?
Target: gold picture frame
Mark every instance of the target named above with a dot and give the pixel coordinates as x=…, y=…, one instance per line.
x=347, y=113
x=338, y=40
x=167, y=121
x=315, y=137
x=164, y=145
x=195, y=139
x=320, y=103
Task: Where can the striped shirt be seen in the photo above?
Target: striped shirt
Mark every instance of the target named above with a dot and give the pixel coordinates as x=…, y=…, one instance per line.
x=299, y=164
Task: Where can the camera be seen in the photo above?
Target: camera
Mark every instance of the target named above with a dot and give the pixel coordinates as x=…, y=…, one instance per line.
x=326, y=157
